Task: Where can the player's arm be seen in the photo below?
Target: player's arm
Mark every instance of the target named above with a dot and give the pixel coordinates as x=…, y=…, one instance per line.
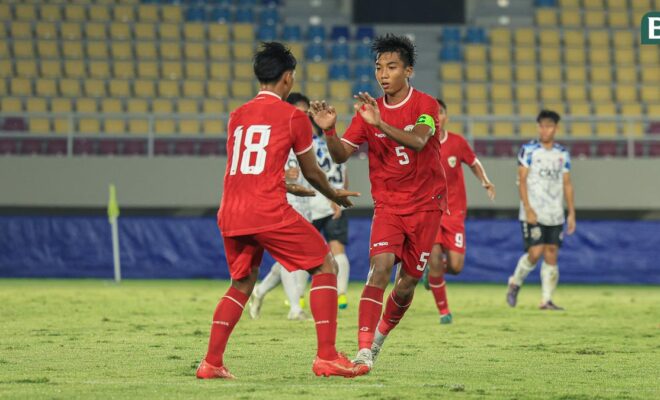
x=316, y=177
x=568, y=194
x=479, y=171
x=415, y=139
x=325, y=117
x=522, y=186
x=299, y=190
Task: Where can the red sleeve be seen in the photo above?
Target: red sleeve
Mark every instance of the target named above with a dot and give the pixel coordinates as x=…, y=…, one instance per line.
x=356, y=133
x=301, y=132
x=428, y=105
x=467, y=154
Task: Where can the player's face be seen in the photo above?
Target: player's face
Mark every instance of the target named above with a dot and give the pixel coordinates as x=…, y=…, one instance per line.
x=442, y=119
x=391, y=73
x=547, y=129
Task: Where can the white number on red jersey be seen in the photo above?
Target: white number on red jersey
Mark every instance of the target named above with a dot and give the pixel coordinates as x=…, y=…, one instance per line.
x=400, y=152
x=258, y=148
x=423, y=259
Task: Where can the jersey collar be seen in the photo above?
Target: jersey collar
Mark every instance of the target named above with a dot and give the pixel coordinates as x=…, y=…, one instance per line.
x=444, y=139
x=400, y=104
x=268, y=92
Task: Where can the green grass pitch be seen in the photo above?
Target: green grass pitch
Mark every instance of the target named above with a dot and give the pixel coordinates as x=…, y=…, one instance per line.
x=143, y=339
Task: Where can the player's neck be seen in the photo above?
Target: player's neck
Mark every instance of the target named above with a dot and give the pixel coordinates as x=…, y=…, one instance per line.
x=548, y=145
x=398, y=97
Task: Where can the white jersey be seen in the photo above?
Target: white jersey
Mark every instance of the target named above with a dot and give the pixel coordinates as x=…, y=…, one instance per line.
x=545, y=181
x=300, y=204
x=336, y=174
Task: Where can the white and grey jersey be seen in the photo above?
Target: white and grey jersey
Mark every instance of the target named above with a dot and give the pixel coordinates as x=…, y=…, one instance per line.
x=336, y=174
x=545, y=181
x=301, y=204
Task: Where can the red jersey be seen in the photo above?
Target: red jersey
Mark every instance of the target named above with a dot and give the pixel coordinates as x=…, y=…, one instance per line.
x=403, y=181
x=455, y=151
x=261, y=134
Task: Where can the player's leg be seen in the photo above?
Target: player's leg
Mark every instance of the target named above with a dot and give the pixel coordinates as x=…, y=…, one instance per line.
x=552, y=236
x=533, y=240
x=293, y=293
x=337, y=235
x=437, y=284
x=243, y=257
x=302, y=277
x=270, y=282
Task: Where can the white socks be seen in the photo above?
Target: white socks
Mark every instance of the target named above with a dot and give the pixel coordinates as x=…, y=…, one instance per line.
x=549, y=280
x=523, y=269
x=344, y=269
x=290, y=284
x=270, y=281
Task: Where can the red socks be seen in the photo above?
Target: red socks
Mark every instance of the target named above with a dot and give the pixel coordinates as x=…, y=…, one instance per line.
x=226, y=315
x=394, y=310
x=323, y=302
x=438, y=287
x=371, y=305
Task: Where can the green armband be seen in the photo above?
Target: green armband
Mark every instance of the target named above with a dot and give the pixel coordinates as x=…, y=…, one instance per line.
x=427, y=120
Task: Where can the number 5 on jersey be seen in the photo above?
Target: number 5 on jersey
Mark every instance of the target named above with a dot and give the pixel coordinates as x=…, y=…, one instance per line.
x=253, y=157
x=403, y=156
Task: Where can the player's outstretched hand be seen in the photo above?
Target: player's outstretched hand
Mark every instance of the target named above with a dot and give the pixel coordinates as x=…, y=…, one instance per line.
x=323, y=114
x=298, y=190
x=292, y=174
x=336, y=210
x=368, y=108
x=570, y=229
x=341, y=197
x=490, y=189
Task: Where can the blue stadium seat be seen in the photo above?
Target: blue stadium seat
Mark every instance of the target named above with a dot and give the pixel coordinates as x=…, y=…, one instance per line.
x=195, y=14
x=476, y=34
x=546, y=3
x=266, y=33
x=271, y=2
x=341, y=51
x=150, y=2
x=292, y=33
x=220, y=14
x=244, y=15
x=365, y=33
x=364, y=86
x=316, y=32
x=363, y=52
x=364, y=71
x=315, y=52
x=451, y=34
x=246, y=2
x=214, y=2
x=269, y=16
x=451, y=52
x=340, y=32
x=340, y=71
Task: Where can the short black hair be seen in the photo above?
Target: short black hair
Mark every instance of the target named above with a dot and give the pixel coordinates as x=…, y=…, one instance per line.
x=295, y=98
x=271, y=61
x=399, y=44
x=442, y=103
x=548, y=114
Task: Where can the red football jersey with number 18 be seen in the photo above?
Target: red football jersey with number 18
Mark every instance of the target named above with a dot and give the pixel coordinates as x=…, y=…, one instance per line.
x=456, y=151
x=403, y=181
x=261, y=134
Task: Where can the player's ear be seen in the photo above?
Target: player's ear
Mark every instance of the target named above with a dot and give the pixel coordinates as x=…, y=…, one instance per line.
x=408, y=71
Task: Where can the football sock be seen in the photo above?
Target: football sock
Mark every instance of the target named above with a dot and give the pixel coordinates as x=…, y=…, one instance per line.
x=395, y=308
x=226, y=315
x=269, y=282
x=323, y=303
x=549, y=280
x=342, y=273
x=371, y=305
x=290, y=285
x=523, y=269
x=439, y=289
x=301, y=281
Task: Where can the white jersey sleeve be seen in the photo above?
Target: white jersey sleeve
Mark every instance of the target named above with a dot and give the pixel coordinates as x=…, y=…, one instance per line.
x=301, y=204
x=336, y=174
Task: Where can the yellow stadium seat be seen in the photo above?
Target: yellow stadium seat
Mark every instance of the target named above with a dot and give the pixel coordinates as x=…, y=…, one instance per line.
x=113, y=126
x=501, y=92
x=145, y=31
x=137, y=106
x=99, y=69
x=601, y=93
x=576, y=93
x=617, y=19
x=187, y=106
x=74, y=69
x=526, y=73
x=121, y=50
x=556, y=105
x=570, y=18
x=195, y=51
x=146, y=51
x=242, y=51
x=110, y=106
x=477, y=108
x=528, y=129
x=479, y=129
x=581, y=129
x=500, y=36
x=343, y=108
x=452, y=92
x=212, y=106
x=50, y=12
x=72, y=50
x=606, y=129
x=626, y=94
x=503, y=108
x=650, y=93
x=5, y=69
x=623, y=39
x=120, y=31
x=475, y=53
x=574, y=38
x=317, y=71
x=220, y=71
x=11, y=105
x=94, y=88
x=26, y=68
x=36, y=105
x=341, y=90
x=626, y=75
x=503, y=129
x=593, y=4
x=169, y=32
x=297, y=50
x=95, y=31
x=189, y=127
x=525, y=37
x=47, y=49
x=162, y=106
x=40, y=126
x=193, y=88
x=50, y=69
x=525, y=55
x=85, y=105
x=605, y=109
x=476, y=92
x=549, y=38
x=601, y=74
x=546, y=17
x=598, y=38
x=574, y=56
x=316, y=90
x=219, y=51
x=171, y=70
x=500, y=73
x=46, y=30
x=218, y=32
x=5, y=12
x=599, y=56
x=551, y=73
x=23, y=49
x=624, y=57
x=70, y=31
x=569, y=3
x=99, y=13
x=637, y=16
x=217, y=89
x=120, y=88
x=526, y=92
x=500, y=55
x=242, y=70
x=123, y=13
x=123, y=69
x=551, y=92
x=451, y=71
x=171, y=14
x=148, y=13
x=631, y=109
x=477, y=72
x=242, y=89
x=243, y=32
x=650, y=77
x=169, y=89
x=70, y=87
x=21, y=30
x=195, y=70
x=138, y=126
x=25, y=12
x=170, y=51
x=60, y=105
x=594, y=19
x=46, y=87
x=213, y=127
x=74, y=13
x=649, y=56
x=617, y=5
x=144, y=88
x=164, y=127
x=97, y=50
x=194, y=31
x=3, y=87
x=90, y=126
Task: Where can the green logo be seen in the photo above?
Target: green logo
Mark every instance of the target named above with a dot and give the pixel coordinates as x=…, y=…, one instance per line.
x=651, y=28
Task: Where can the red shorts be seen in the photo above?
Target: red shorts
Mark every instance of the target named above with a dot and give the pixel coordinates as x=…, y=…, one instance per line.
x=296, y=246
x=451, y=234
x=409, y=237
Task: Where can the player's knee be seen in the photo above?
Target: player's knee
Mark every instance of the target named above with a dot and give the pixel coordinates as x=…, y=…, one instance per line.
x=534, y=254
x=455, y=268
x=550, y=255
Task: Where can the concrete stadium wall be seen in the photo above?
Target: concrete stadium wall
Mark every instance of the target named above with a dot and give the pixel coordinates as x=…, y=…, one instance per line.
x=182, y=182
